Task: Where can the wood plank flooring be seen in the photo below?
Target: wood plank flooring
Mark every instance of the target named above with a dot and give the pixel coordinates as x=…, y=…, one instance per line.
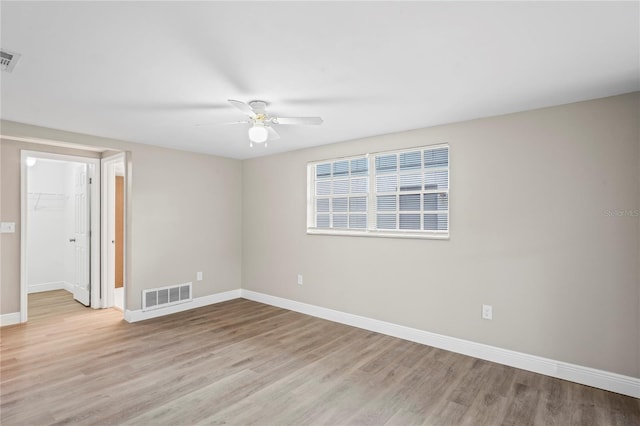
x=242, y=362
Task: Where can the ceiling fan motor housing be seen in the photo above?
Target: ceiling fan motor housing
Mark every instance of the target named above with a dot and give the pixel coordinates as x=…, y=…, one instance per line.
x=259, y=107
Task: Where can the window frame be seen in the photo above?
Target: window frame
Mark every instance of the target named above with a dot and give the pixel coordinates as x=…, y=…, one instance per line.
x=312, y=197
x=370, y=230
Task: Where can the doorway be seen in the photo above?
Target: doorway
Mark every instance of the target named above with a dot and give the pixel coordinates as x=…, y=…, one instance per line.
x=113, y=231
x=60, y=198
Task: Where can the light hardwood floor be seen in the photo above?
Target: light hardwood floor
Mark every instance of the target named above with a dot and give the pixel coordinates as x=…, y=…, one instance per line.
x=242, y=362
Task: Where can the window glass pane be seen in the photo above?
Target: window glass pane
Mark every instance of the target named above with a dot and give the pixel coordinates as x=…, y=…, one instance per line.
x=410, y=160
x=410, y=221
x=437, y=201
x=387, y=183
x=340, y=204
x=358, y=204
x=339, y=220
x=436, y=157
x=359, y=185
x=386, y=221
x=386, y=202
x=323, y=170
x=436, y=180
x=323, y=187
x=341, y=186
x=410, y=189
x=340, y=168
x=436, y=222
x=386, y=163
x=322, y=221
x=358, y=221
x=322, y=205
x=410, y=202
x=412, y=182
x=359, y=167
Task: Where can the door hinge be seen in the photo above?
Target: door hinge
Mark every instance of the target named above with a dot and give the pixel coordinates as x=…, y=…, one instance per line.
x=90, y=181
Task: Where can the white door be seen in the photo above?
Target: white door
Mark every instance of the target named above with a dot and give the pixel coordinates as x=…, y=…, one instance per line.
x=81, y=238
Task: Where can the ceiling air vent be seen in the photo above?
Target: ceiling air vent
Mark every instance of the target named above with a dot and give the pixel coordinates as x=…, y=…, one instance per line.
x=8, y=60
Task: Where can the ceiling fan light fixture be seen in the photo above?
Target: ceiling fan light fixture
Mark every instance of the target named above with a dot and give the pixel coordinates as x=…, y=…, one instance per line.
x=258, y=133
x=262, y=123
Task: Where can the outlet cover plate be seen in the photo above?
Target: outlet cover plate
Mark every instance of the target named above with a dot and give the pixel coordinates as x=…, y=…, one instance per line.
x=487, y=312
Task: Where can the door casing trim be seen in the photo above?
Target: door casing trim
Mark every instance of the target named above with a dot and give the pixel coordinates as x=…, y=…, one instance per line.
x=106, y=165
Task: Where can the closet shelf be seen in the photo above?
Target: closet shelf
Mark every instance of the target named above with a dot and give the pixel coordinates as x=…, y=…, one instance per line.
x=46, y=196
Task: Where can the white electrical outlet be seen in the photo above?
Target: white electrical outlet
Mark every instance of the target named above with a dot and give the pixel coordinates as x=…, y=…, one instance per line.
x=487, y=312
x=300, y=281
x=199, y=276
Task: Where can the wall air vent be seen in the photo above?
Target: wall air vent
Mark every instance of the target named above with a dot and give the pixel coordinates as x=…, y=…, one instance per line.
x=8, y=60
x=161, y=297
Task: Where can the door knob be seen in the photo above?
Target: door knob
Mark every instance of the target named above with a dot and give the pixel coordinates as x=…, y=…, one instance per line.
x=72, y=240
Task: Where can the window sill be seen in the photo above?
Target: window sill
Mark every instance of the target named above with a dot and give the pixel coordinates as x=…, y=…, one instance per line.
x=379, y=234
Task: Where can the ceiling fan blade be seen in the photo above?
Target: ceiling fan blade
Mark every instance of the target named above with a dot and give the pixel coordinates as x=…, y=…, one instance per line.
x=298, y=120
x=273, y=135
x=222, y=124
x=243, y=107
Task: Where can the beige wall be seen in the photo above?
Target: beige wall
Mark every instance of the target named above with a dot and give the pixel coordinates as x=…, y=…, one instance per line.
x=529, y=235
x=184, y=216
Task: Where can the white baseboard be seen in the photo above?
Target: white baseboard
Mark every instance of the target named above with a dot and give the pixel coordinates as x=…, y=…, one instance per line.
x=10, y=319
x=54, y=285
x=198, y=302
x=614, y=382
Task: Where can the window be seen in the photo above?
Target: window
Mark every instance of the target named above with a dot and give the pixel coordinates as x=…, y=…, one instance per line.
x=340, y=191
x=396, y=193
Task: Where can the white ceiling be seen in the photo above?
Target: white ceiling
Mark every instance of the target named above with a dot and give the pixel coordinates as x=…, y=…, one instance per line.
x=149, y=72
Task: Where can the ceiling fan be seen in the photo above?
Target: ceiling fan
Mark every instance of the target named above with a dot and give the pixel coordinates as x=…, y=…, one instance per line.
x=262, y=124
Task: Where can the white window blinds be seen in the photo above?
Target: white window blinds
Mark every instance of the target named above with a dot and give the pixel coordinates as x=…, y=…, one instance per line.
x=412, y=190
x=395, y=193
x=341, y=194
